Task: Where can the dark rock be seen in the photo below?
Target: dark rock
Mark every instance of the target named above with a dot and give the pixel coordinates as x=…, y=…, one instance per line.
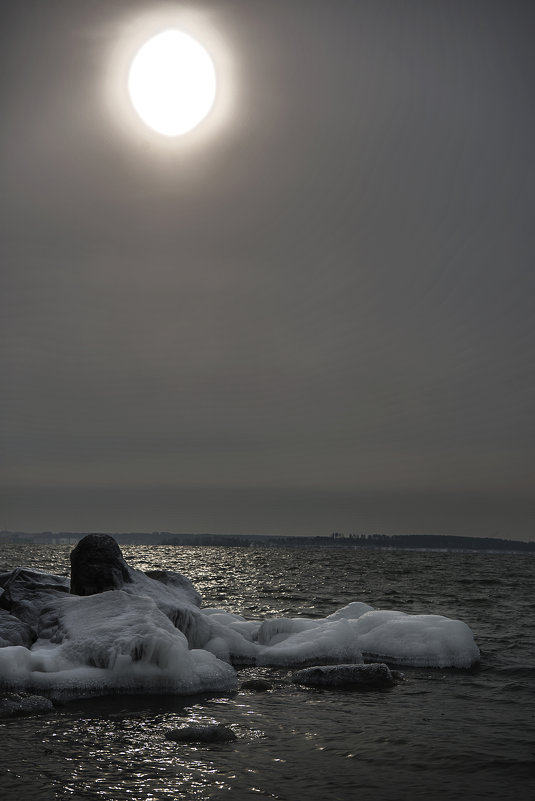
x=15, y=704
x=13, y=631
x=375, y=676
x=214, y=733
x=97, y=565
x=27, y=591
x=259, y=685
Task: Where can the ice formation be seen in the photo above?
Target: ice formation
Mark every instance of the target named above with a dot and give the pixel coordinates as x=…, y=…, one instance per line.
x=127, y=631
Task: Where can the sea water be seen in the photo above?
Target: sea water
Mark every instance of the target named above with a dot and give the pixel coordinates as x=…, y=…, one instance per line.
x=440, y=734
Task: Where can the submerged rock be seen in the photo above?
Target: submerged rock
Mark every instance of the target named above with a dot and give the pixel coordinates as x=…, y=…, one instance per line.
x=15, y=704
x=259, y=685
x=376, y=676
x=213, y=733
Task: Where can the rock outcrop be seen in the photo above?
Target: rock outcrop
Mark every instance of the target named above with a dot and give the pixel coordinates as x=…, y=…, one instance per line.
x=17, y=704
x=97, y=565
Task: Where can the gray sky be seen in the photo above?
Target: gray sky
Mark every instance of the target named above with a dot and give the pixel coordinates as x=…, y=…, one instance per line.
x=313, y=313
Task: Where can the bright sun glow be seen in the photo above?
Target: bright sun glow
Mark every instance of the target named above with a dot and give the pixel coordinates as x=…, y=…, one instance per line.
x=172, y=83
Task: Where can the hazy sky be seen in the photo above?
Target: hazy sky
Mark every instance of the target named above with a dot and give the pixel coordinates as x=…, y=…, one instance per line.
x=313, y=313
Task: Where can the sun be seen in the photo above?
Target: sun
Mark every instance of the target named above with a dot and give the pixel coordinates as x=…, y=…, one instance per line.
x=172, y=83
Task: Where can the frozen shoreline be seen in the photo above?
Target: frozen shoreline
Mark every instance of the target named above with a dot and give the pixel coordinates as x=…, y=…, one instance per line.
x=127, y=631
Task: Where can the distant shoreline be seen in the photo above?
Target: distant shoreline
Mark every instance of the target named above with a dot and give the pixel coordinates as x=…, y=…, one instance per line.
x=375, y=542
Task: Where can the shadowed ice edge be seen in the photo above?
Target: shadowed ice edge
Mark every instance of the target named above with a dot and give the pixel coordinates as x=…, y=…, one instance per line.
x=113, y=629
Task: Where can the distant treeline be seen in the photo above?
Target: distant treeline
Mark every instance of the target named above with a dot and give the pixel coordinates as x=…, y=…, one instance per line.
x=440, y=542
x=355, y=541
x=432, y=542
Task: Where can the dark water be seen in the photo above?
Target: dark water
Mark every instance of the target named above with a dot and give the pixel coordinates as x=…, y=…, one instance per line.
x=440, y=735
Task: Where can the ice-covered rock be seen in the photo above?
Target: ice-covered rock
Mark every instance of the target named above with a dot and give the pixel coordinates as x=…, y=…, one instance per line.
x=177, y=599
x=111, y=642
x=275, y=630
x=97, y=565
x=178, y=582
x=354, y=677
x=352, y=611
x=232, y=637
x=416, y=640
x=13, y=631
x=324, y=642
x=27, y=591
x=281, y=642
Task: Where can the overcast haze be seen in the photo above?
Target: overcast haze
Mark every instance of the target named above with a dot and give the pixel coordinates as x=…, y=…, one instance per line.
x=313, y=313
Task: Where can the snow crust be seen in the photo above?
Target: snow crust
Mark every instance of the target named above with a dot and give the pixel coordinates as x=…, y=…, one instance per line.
x=152, y=637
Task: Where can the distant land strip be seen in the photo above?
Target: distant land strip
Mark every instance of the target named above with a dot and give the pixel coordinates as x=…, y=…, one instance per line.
x=425, y=542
